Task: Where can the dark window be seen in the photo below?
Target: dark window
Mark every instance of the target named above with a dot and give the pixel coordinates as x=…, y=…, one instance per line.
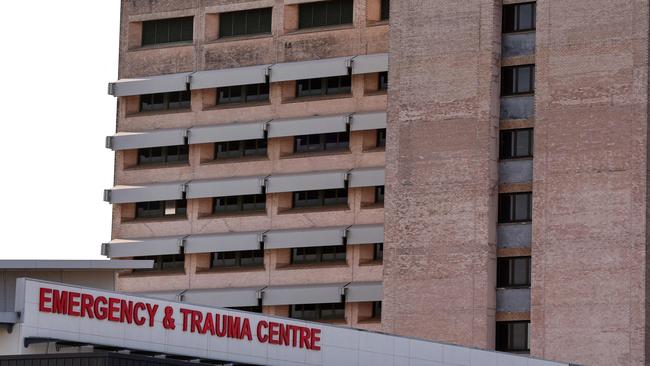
x=162, y=155
x=379, y=194
x=376, y=309
x=518, y=17
x=245, y=22
x=385, y=9
x=327, y=197
x=318, y=254
x=165, y=101
x=512, y=336
x=247, y=203
x=515, y=207
x=244, y=258
x=174, y=262
x=324, y=13
x=381, y=137
x=378, y=253
x=243, y=94
x=383, y=81
x=167, y=31
x=513, y=272
x=250, y=309
x=157, y=209
x=334, y=311
x=517, y=80
x=324, y=142
x=324, y=86
x=240, y=149
x=516, y=144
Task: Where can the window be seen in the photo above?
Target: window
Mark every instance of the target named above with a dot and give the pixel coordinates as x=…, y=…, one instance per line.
x=173, y=262
x=513, y=336
x=376, y=309
x=385, y=9
x=518, y=17
x=335, y=141
x=157, y=209
x=244, y=258
x=310, y=255
x=381, y=137
x=247, y=203
x=167, y=31
x=325, y=13
x=250, y=309
x=163, y=155
x=383, y=81
x=165, y=101
x=324, y=86
x=516, y=144
x=243, y=94
x=245, y=22
x=379, y=194
x=515, y=207
x=327, y=197
x=240, y=149
x=513, y=272
x=517, y=80
x=378, y=252
x=334, y=311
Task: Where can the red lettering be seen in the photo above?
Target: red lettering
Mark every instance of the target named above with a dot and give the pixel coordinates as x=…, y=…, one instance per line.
x=197, y=317
x=112, y=309
x=87, y=305
x=43, y=299
x=223, y=320
x=294, y=332
x=73, y=302
x=273, y=332
x=284, y=335
x=126, y=311
x=186, y=313
x=152, y=314
x=261, y=336
x=137, y=319
x=246, y=330
x=233, y=326
x=101, y=312
x=208, y=325
x=304, y=338
x=59, y=302
x=315, y=338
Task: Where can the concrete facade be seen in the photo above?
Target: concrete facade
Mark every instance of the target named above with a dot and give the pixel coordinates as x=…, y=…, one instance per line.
x=445, y=176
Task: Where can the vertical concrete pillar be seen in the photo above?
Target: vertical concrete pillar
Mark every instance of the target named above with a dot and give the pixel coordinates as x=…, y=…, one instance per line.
x=441, y=168
x=589, y=248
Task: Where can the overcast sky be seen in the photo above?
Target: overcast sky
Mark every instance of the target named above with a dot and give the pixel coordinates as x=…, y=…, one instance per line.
x=57, y=58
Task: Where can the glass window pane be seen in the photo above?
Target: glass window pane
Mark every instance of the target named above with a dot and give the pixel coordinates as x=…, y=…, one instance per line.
x=253, y=21
x=522, y=207
x=225, y=24
x=346, y=11
x=385, y=9
x=522, y=149
x=505, y=144
x=333, y=12
x=162, y=31
x=504, y=208
x=319, y=14
x=519, y=336
x=239, y=23
x=520, y=270
x=175, y=30
x=507, y=81
x=524, y=81
x=509, y=18
x=526, y=17
x=265, y=20
x=187, y=32
x=148, y=33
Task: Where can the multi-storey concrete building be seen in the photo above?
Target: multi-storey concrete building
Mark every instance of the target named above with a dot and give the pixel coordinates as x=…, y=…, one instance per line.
x=255, y=138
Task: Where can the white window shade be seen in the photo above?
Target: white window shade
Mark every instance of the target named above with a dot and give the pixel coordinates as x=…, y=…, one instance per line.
x=367, y=177
x=145, y=193
x=306, y=181
x=238, y=186
x=149, y=85
x=229, y=77
x=300, y=238
x=365, y=64
x=308, y=126
x=310, y=69
x=138, y=140
x=226, y=132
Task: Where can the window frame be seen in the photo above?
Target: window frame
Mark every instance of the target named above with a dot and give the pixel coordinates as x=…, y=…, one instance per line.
x=337, y=308
x=313, y=7
x=321, y=255
x=376, y=310
x=504, y=329
x=182, y=155
x=163, y=207
x=167, y=103
x=256, y=257
x=260, y=148
x=517, y=17
x=261, y=12
x=159, y=263
x=342, y=143
x=378, y=252
x=512, y=208
x=380, y=192
x=321, y=198
x=381, y=138
x=510, y=152
x=259, y=200
x=514, y=91
x=344, y=86
x=262, y=89
x=506, y=268
x=382, y=81
x=168, y=23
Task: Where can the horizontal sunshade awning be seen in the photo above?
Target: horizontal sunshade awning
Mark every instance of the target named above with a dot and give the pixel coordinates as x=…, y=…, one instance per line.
x=364, y=291
x=368, y=121
x=225, y=242
x=366, y=64
x=227, y=132
x=366, y=234
x=306, y=181
x=310, y=69
x=149, y=85
x=163, y=295
x=145, y=193
x=228, y=297
x=300, y=238
x=138, y=140
x=367, y=177
x=225, y=187
x=121, y=248
x=229, y=77
x=308, y=126
x=315, y=294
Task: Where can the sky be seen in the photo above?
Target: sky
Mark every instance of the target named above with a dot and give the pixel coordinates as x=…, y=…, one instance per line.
x=57, y=59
